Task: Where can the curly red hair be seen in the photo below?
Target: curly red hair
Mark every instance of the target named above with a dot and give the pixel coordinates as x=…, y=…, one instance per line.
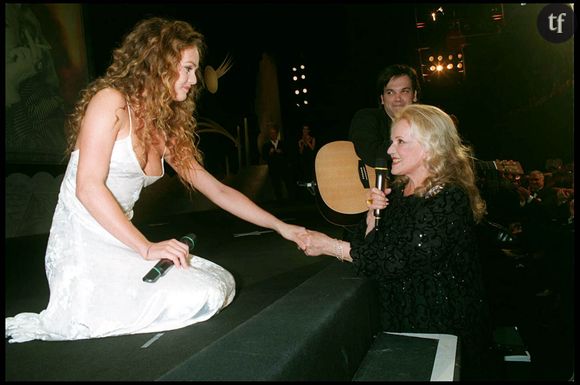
x=144, y=69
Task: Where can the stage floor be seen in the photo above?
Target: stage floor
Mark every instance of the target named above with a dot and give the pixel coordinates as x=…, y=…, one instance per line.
x=265, y=267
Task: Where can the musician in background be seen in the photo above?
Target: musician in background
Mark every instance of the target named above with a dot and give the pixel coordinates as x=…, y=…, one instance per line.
x=397, y=86
x=423, y=255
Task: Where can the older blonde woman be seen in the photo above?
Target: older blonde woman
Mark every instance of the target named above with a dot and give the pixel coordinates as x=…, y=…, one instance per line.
x=423, y=255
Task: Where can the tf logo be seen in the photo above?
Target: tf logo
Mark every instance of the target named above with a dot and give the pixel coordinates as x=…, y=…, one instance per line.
x=557, y=22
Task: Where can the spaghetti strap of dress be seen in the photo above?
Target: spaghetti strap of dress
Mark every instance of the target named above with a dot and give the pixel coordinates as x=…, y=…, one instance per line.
x=130, y=119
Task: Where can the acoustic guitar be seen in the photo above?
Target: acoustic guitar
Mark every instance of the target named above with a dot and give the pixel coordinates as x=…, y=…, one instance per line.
x=343, y=181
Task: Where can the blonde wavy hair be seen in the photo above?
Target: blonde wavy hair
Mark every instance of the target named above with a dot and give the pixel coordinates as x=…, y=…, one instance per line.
x=448, y=160
x=145, y=68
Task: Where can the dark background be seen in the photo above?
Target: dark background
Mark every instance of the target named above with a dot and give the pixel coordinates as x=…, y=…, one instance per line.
x=514, y=102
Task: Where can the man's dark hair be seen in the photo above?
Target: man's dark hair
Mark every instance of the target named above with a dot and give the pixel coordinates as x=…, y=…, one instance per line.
x=396, y=70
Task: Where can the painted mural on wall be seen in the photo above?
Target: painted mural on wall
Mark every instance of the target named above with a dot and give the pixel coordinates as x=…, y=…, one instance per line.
x=45, y=69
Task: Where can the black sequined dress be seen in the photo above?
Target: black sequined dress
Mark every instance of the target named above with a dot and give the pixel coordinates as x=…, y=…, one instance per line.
x=424, y=259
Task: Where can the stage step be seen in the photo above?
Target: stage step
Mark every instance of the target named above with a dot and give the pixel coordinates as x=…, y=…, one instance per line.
x=319, y=331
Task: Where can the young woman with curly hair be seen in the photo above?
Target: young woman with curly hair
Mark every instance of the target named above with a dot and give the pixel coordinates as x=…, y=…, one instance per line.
x=127, y=123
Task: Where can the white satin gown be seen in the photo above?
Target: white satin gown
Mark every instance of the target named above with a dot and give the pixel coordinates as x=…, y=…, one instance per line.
x=96, y=286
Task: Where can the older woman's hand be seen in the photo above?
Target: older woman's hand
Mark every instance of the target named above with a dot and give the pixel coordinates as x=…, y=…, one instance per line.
x=318, y=244
x=377, y=200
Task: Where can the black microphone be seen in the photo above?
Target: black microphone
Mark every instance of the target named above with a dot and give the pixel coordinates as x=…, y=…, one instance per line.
x=382, y=175
x=164, y=265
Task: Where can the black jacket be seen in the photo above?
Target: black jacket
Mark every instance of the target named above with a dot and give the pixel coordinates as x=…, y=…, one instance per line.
x=370, y=133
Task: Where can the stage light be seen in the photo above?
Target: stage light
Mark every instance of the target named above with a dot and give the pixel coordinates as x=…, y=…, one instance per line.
x=497, y=12
x=442, y=65
x=302, y=86
x=435, y=12
x=435, y=25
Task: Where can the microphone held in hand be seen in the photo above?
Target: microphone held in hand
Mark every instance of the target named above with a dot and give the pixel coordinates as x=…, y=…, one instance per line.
x=164, y=265
x=382, y=176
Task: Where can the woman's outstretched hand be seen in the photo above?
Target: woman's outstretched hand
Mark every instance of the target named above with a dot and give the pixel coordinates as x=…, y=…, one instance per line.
x=294, y=233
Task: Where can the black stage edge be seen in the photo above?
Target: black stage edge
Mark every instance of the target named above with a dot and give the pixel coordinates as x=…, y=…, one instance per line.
x=319, y=331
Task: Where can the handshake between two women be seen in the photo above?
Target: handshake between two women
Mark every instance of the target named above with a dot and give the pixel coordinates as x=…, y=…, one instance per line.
x=315, y=243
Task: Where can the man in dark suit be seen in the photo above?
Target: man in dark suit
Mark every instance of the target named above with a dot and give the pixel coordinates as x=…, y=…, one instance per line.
x=397, y=86
x=275, y=154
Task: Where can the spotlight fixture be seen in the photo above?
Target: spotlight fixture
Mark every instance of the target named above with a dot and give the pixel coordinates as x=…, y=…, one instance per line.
x=301, y=88
x=441, y=63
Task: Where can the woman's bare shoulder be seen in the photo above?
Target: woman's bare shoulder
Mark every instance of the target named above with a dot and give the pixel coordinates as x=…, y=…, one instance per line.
x=109, y=97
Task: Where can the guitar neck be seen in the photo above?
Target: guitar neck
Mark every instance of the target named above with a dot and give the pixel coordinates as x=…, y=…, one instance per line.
x=487, y=164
